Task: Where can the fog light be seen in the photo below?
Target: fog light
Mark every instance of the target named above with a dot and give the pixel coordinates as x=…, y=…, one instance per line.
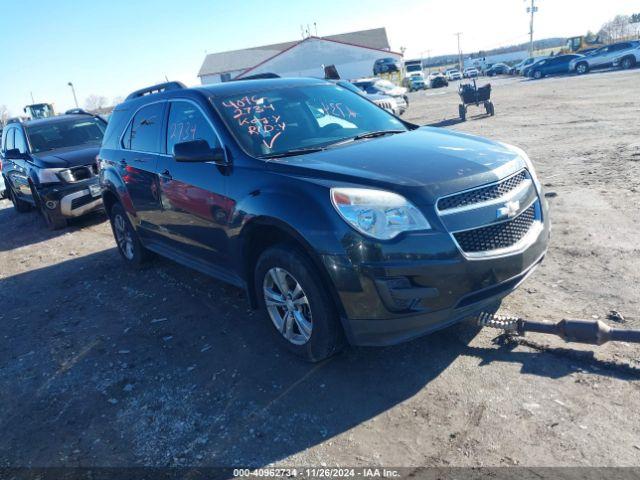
x=51, y=204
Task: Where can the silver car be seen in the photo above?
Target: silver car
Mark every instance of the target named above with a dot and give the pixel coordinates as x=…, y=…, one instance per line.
x=601, y=58
x=628, y=59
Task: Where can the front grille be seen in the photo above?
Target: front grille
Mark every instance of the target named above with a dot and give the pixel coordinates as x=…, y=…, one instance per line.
x=81, y=201
x=482, y=194
x=501, y=235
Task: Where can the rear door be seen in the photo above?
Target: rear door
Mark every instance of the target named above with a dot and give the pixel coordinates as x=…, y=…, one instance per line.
x=195, y=207
x=141, y=149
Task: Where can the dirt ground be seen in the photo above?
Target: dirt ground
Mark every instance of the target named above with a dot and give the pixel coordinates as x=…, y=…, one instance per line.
x=101, y=366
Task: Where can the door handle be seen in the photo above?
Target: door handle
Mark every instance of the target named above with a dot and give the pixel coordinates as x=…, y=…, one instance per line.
x=166, y=174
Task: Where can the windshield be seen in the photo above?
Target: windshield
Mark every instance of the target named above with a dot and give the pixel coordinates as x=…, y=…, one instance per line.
x=273, y=122
x=63, y=134
x=414, y=68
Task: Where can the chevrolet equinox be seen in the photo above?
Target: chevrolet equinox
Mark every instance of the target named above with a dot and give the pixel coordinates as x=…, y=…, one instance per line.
x=342, y=222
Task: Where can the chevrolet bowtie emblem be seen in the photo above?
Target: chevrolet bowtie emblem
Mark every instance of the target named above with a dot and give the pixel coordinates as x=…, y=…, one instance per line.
x=509, y=210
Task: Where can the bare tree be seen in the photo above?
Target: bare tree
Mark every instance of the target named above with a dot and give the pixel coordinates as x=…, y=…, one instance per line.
x=95, y=102
x=117, y=100
x=617, y=29
x=4, y=114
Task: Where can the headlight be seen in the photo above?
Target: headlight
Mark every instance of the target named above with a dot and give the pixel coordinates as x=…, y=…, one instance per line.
x=49, y=175
x=66, y=175
x=377, y=213
x=523, y=155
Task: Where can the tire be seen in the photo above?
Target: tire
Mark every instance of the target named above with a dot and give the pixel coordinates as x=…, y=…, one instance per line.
x=128, y=243
x=627, y=63
x=490, y=108
x=20, y=205
x=462, y=112
x=306, y=323
x=52, y=222
x=537, y=74
x=582, y=68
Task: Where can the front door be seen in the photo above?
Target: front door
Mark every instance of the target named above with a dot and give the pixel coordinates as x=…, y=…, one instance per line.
x=195, y=208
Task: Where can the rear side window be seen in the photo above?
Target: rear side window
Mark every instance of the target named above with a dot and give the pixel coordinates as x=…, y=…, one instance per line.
x=144, y=132
x=186, y=123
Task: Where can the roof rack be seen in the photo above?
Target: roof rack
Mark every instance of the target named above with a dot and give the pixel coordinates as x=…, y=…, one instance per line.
x=77, y=111
x=259, y=76
x=161, y=87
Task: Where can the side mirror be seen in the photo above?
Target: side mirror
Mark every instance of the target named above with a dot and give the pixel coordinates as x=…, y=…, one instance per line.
x=198, y=151
x=15, y=154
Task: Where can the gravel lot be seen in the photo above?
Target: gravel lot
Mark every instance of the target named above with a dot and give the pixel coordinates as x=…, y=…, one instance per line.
x=101, y=366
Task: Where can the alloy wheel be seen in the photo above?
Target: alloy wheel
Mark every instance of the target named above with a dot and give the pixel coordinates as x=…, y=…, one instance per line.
x=287, y=305
x=123, y=237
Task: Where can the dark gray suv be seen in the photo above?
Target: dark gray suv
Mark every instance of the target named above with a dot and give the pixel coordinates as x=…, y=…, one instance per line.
x=342, y=222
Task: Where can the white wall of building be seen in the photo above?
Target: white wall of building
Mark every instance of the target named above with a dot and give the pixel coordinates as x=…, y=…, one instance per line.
x=307, y=59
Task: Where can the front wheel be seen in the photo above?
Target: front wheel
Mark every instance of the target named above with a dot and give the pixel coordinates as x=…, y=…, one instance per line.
x=537, y=74
x=20, y=205
x=293, y=299
x=462, y=112
x=582, y=68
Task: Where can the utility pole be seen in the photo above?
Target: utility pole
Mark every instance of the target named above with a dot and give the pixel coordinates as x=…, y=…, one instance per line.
x=32, y=100
x=531, y=10
x=73, y=90
x=460, y=51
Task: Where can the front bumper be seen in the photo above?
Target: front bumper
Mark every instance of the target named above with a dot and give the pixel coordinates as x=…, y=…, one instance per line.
x=393, y=293
x=73, y=199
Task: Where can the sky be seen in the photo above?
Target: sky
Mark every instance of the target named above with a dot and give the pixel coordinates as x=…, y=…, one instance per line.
x=113, y=47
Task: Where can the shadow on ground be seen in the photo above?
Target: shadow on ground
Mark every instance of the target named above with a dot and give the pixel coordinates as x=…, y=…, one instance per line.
x=29, y=228
x=104, y=366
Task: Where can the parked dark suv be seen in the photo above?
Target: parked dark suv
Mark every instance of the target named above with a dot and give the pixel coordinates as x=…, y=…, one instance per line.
x=50, y=164
x=341, y=221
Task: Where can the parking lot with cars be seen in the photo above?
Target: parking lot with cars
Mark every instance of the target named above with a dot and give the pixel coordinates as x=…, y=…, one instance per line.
x=165, y=366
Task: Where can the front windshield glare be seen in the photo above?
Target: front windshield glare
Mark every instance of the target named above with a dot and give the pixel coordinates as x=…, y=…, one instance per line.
x=63, y=134
x=277, y=121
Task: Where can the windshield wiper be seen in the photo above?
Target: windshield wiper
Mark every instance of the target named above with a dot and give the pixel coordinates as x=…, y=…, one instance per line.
x=293, y=152
x=377, y=133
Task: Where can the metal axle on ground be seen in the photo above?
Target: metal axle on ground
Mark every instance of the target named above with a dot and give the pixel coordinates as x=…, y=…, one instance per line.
x=593, y=332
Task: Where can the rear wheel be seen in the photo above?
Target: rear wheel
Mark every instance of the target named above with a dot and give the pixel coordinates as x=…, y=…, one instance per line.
x=127, y=240
x=291, y=295
x=582, y=68
x=627, y=63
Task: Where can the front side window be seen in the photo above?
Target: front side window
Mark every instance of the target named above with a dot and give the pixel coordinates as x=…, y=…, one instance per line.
x=85, y=131
x=187, y=123
x=8, y=141
x=146, y=129
x=273, y=122
x=19, y=142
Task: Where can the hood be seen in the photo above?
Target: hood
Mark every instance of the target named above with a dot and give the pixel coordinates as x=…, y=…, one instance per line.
x=67, y=157
x=424, y=164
